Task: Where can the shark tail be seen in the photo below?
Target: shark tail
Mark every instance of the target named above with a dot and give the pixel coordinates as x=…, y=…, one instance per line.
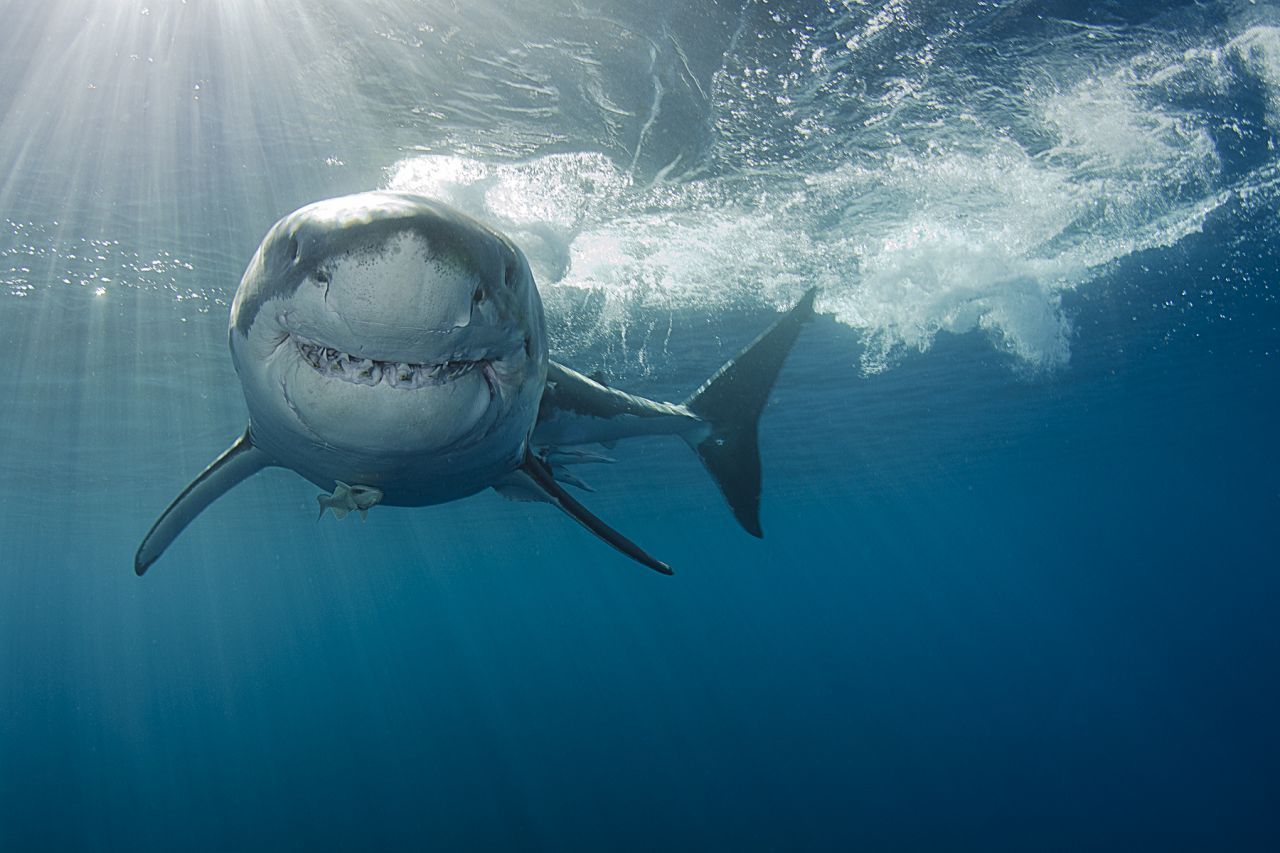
x=731, y=401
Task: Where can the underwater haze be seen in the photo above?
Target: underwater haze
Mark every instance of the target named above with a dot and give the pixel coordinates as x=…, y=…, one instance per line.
x=1019, y=587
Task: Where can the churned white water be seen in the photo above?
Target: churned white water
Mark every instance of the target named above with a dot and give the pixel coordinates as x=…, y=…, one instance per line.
x=978, y=232
x=863, y=153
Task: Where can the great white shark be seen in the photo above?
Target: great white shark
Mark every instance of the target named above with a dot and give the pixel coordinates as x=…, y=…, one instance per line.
x=393, y=351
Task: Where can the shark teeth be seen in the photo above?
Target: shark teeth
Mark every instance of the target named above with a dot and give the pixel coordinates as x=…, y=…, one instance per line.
x=396, y=374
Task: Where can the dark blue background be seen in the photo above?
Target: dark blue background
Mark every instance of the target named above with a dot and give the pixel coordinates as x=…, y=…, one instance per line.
x=1002, y=614
x=993, y=610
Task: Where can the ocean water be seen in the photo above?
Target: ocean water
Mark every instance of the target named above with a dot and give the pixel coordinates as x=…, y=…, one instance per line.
x=1019, y=585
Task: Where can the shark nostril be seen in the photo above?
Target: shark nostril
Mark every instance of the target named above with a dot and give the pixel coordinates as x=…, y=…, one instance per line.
x=479, y=295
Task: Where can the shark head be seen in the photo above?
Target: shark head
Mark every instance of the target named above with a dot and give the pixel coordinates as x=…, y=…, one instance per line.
x=379, y=335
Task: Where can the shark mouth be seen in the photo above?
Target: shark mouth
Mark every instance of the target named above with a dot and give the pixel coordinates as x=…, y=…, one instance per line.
x=394, y=374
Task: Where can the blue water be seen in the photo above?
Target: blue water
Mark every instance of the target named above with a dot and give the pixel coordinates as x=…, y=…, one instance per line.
x=1019, y=584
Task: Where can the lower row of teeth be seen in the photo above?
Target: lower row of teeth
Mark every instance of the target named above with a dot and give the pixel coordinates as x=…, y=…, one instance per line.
x=367, y=371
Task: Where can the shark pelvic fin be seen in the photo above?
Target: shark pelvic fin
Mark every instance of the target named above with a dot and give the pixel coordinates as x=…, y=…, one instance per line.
x=537, y=471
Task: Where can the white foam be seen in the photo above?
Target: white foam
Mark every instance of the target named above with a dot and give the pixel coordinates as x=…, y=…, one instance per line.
x=1259, y=49
x=558, y=190
x=936, y=279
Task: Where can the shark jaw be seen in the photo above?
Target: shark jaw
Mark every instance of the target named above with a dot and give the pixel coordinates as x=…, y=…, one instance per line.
x=400, y=375
x=369, y=404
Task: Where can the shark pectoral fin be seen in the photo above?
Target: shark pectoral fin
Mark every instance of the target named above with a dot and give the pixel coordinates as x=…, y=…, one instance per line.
x=240, y=461
x=542, y=478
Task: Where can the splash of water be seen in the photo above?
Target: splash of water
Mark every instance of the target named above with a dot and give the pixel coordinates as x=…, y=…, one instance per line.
x=970, y=234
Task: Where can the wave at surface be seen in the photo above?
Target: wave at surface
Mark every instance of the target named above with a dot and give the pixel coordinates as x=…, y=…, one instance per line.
x=979, y=219
x=933, y=168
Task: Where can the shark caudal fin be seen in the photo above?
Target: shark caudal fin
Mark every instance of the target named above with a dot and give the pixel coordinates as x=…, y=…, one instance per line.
x=731, y=401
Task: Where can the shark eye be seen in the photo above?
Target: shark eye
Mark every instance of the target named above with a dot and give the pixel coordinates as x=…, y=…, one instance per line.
x=512, y=276
x=293, y=248
x=322, y=277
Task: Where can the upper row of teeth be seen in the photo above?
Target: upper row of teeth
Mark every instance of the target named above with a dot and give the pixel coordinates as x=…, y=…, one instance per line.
x=368, y=371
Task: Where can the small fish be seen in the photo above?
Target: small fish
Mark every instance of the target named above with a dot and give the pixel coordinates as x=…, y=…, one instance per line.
x=346, y=499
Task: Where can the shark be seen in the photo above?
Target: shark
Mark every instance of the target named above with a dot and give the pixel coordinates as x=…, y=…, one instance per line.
x=393, y=352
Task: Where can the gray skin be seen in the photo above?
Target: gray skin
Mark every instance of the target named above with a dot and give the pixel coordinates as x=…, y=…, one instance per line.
x=393, y=350
x=431, y=297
